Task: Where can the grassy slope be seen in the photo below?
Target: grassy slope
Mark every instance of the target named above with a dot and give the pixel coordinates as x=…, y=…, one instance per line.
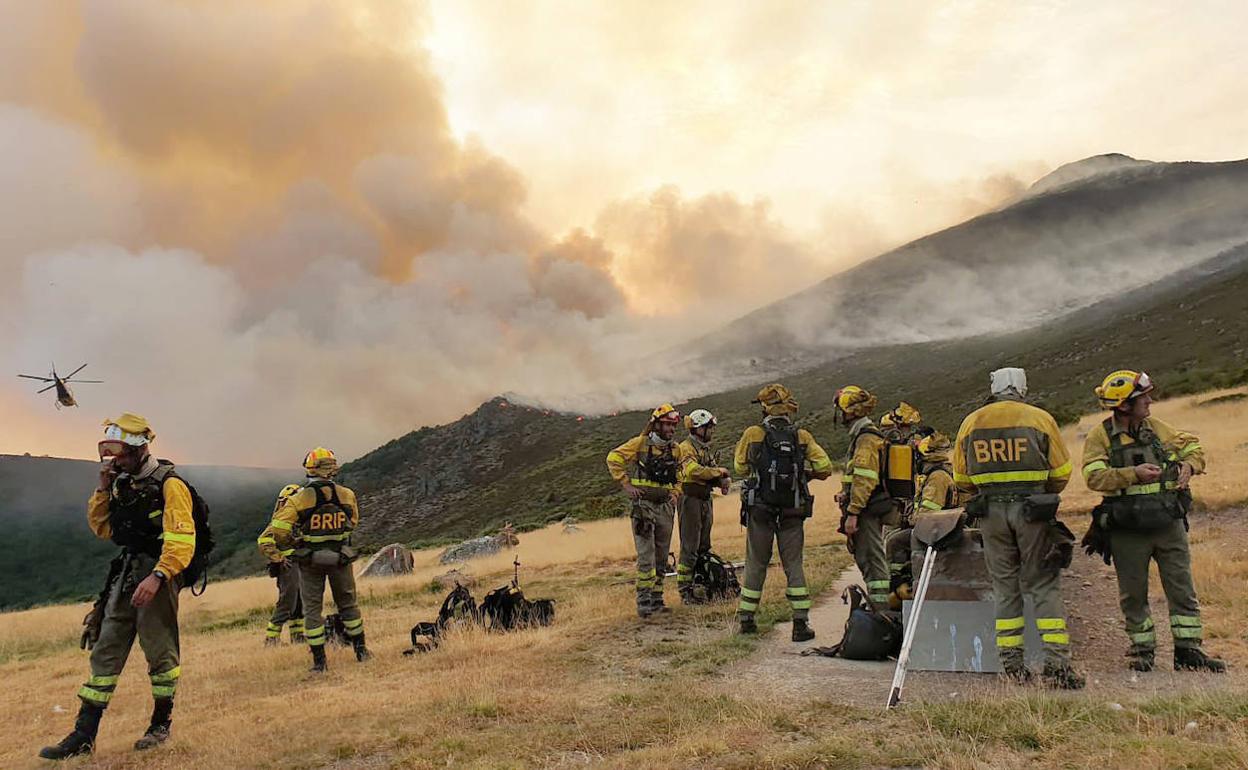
x=532, y=467
x=601, y=689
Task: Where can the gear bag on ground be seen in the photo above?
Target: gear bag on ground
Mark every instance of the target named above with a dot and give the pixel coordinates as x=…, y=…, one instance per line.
x=870, y=634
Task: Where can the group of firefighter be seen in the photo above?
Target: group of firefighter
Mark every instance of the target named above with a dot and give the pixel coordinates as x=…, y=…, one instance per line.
x=159, y=521
x=1005, y=468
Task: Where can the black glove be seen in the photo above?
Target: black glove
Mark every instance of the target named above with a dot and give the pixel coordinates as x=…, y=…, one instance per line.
x=1096, y=541
x=275, y=568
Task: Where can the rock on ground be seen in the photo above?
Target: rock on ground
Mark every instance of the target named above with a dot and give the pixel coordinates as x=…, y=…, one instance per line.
x=394, y=559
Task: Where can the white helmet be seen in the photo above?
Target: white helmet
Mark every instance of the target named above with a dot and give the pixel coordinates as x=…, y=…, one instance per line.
x=699, y=418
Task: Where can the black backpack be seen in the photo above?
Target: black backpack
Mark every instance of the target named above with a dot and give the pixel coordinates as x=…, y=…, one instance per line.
x=717, y=577
x=505, y=609
x=197, y=570
x=777, y=464
x=870, y=634
x=458, y=605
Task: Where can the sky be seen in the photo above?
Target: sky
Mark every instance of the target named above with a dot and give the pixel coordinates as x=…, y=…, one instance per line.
x=272, y=226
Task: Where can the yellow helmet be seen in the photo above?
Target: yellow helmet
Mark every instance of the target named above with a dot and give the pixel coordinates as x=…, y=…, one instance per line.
x=130, y=429
x=937, y=442
x=776, y=400
x=854, y=402
x=320, y=462
x=287, y=491
x=1121, y=386
x=665, y=413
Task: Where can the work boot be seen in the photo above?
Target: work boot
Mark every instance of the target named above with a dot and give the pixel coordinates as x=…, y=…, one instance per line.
x=1062, y=677
x=361, y=652
x=82, y=740
x=158, y=731
x=318, y=658
x=297, y=638
x=644, y=607
x=802, y=632
x=1195, y=659
x=1142, y=661
x=272, y=641
x=748, y=626
x=656, y=602
x=1013, y=668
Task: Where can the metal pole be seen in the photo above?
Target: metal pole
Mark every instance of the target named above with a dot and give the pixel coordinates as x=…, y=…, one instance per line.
x=903, y=659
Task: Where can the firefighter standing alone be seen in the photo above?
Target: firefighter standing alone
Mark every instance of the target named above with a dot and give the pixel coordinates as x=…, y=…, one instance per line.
x=1143, y=467
x=142, y=506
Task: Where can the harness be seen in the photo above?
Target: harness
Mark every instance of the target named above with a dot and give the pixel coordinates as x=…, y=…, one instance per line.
x=136, y=509
x=327, y=525
x=1143, y=506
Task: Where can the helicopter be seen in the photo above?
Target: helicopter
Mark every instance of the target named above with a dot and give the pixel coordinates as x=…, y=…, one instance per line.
x=64, y=396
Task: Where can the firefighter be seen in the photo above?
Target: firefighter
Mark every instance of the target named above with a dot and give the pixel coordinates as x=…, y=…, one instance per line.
x=866, y=506
x=900, y=424
x=775, y=503
x=699, y=474
x=1143, y=468
x=143, y=506
x=647, y=468
x=316, y=524
x=289, y=606
x=936, y=488
x=935, y=491
x=1010, y=454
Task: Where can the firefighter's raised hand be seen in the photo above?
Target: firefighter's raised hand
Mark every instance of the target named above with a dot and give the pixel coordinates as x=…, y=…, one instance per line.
x=630, y=490
x=1147, y=473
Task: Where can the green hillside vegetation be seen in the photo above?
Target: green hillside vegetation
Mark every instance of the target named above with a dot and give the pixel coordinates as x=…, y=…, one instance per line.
x=53, y=556
x=510, y=463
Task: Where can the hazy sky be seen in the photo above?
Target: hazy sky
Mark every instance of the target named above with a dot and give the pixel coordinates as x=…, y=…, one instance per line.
x=276, y=225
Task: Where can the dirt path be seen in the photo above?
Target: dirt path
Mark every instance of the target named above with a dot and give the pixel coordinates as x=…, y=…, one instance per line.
x=778, y=670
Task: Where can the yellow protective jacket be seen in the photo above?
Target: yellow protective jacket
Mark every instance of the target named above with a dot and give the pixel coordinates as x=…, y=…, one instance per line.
x=267, y=542
x=178, y=539
x=937, y=490
x=623, y=461
x=1010, y=447
x=860, y=484
x=697, y=464
x=286, y=519
x=1100, y=474
x=820, y=464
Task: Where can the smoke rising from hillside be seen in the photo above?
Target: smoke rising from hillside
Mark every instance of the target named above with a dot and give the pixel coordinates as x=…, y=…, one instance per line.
x=256, y=224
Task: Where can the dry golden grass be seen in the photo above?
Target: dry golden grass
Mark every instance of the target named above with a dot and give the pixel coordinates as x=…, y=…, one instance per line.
x=599, y=687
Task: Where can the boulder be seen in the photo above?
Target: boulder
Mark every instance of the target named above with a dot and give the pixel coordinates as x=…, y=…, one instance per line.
x=394, y=559
x=448, y=580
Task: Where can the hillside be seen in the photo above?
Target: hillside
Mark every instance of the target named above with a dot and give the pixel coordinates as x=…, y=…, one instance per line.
x=507, y=462
x=1091, y=227
x=52, y=555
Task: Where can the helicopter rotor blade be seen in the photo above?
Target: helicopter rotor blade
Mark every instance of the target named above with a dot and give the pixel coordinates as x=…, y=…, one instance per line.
x=79, y=382
x=71, y=374
x=33, y=377
x=45, y=390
